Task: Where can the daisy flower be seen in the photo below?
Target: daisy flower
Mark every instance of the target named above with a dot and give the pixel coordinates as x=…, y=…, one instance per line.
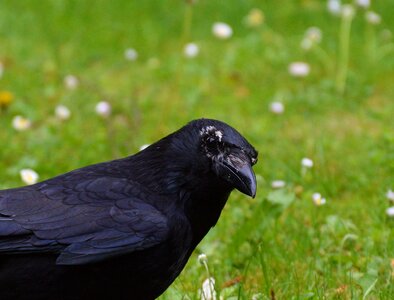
x=334, y=7
x=318, y=200
x=299, y=69
x=130, y=54
x=390, y=211
x=373, y=18
x=103, y=108
x=29, y=176
x=363, y=3
x=307, y=162
x=71, y=82
x=278, y=184
x=207, y=291
x=21, y=123
x=62, y=112
x=191, y=50
x=222, y=30
x=277, y=107
x=390, y=195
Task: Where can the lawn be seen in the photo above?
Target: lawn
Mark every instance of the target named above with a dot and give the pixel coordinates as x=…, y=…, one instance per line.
x=335, y=107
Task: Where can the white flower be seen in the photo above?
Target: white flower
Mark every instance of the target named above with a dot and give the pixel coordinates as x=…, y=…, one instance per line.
x=372, y=17
x=144, y=147
x=334, y=7
x=202, y=259
x=363, y=3
x=299, y=69
x=130, y=54
x=20, y=123
x=390, y=211
x=103, y=108
x=307, y=162
x=277, y=184
x=71, y=82
x=277, y=107
x=29, y=176
x=207, y=291
x=390, y=195
x=62, y=112
x=347, y=11
x=191, y=50
x=318, y=200
x=222, y=30
x=314, y=34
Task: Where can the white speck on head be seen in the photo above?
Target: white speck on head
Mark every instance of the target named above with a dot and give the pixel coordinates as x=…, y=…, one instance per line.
x=219, y=134
x=207, y=129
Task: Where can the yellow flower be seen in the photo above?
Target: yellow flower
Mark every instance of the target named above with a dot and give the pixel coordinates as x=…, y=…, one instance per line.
x=6, y=98
x=255, y=18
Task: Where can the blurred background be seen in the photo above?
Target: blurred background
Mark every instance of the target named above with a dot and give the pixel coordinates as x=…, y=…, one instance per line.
x=309, y=83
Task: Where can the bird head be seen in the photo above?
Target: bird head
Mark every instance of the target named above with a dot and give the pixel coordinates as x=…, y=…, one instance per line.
x=205, y=150
x=230, y=155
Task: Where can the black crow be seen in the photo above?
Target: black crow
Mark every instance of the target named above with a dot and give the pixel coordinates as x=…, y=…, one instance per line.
x=122, y=229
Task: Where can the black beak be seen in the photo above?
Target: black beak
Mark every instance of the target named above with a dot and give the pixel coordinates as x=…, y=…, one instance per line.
x=241, y=177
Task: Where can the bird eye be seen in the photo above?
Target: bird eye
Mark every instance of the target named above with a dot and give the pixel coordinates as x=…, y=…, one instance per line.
x=212, y=146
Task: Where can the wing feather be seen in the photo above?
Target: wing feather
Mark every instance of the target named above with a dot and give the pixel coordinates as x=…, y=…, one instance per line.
x=85, y=222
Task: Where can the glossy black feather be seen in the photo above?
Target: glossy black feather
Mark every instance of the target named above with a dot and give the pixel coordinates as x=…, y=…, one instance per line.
x=122, y=229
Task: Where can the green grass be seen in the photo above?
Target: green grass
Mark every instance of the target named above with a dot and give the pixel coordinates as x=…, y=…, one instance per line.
x=279, y=245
